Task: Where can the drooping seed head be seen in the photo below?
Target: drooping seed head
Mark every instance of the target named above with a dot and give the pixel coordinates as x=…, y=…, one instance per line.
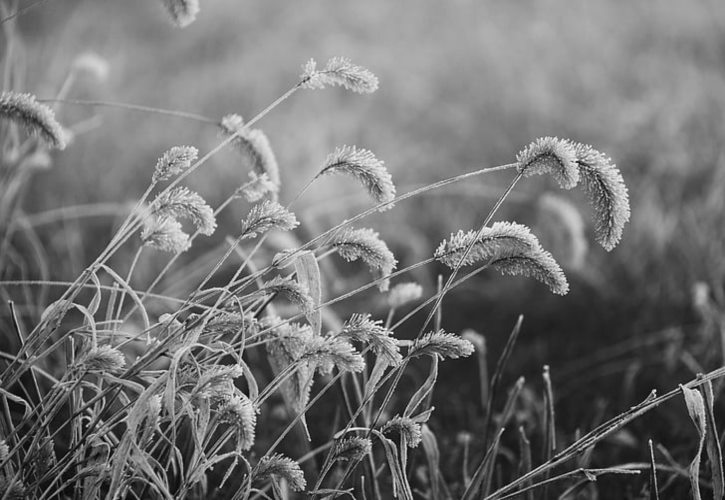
x=165, y=234
x=407, y=427
x=329, y=352
x=550, y=155
x=365, y=244
x=240, y=412
x=352, y=449
x=102, y=359
x=338, y=71
x=173, y=162
x=278, y=466
x=291, y=289
x=360, y=328
x=266, y=216
x=441, y=344
x=500, y=238
x=364, y=166
x=253, y=144
x=36, y=118
x=181, y=203
x=607, y=192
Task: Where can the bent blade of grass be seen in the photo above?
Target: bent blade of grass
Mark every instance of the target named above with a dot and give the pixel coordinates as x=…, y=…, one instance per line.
x=484, y=469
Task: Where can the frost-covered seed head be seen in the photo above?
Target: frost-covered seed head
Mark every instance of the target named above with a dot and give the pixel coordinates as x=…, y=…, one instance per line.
x=550, y=155
x=278, y=466
x=441, y=344
x=36, y=118
x=174, y=161
x=338, y=71
x=266, y=216
x=365, y=244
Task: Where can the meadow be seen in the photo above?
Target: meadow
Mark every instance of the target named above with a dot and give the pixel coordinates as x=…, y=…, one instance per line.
x=209, y=292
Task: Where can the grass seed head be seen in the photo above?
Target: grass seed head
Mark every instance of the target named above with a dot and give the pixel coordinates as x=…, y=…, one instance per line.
x=267, y=216
x=607, y=192
x=291, y=289
x=339, y=71
x=240, y=412
x=173, y=162
x=257, y=188
x=502, y=238
x=181, y=203
x=365, y=244
x=407, y=427
x=278, y=467
x=93, y=65
x=329, y=352
x=36, y=118
x=364, y=166
x=352, y=449
x=360, y=328
x=165, y=233
x=550, y=155
x=441, y=344
x=253, y=144
x=103, y=359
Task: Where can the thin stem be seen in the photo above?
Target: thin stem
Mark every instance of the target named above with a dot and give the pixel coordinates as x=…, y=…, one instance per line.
x=134, y=107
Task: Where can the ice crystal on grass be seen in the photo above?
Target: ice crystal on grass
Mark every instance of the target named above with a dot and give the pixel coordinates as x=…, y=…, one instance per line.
x=182, y=12
x=441, y=344
x=36, y=118
x=180, y=203
x=278, y=467
x=339, y=71
x=360, y=328
x=266, y=216
x=364, y=166
x=550, y=155
x=365, y=244
x=605, y=187
x=174, y=161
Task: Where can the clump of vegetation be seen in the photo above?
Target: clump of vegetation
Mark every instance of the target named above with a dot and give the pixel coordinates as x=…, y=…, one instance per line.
x=119, y=392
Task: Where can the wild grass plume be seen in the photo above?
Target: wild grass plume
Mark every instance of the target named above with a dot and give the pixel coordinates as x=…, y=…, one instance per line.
x=36, y=118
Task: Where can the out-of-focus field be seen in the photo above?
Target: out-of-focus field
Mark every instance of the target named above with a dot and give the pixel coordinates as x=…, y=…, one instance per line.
x=463, y=84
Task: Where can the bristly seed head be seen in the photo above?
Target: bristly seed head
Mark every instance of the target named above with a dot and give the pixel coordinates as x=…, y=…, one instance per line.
x=173, y=162
x=266, y=216
x=607, y=191
x=550, y=155
x=165, y=234
x=291, y=289
x=329, y=352
x=352, y=449
x=363, y=165
x=36, y=118
x=102, y=359
x=441, y=344
x=252, y=143
x=240, y=412
x=509, y=248
x=338, y=71
x=365, y=244
x=360, y=328
x=407, y=427
x=501, y=238
x=180, y=203
x=278, y=466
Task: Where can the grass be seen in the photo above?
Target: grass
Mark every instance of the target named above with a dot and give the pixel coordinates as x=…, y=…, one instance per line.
x=190, y=374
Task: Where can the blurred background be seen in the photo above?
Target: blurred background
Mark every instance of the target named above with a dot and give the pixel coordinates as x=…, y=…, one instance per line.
x=463, y=85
